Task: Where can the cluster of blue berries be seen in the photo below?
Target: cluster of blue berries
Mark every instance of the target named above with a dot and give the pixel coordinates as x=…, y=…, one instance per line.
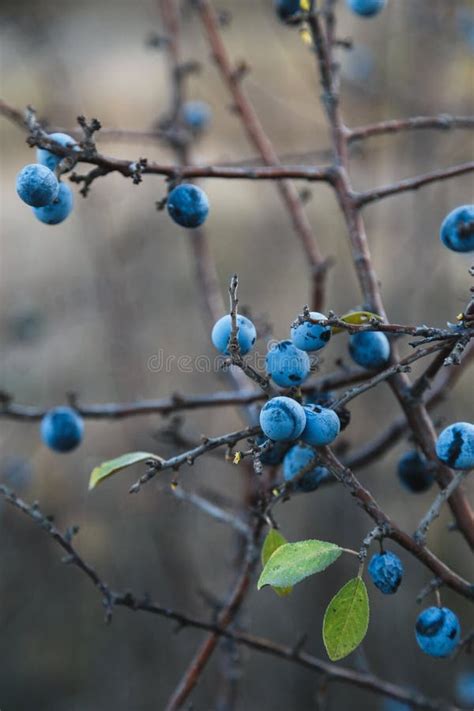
x=37, y=185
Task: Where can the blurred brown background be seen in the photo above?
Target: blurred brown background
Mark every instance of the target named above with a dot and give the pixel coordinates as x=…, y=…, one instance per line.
x=86, y=304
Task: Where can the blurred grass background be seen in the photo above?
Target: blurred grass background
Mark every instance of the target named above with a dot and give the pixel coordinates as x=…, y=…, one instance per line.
x=86, y=304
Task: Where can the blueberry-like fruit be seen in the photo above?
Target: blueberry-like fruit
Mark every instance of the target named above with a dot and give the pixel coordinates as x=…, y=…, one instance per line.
x=246, y=335
x=310, y=336
x=457, y=229
x=366, y=8
x=282, y=419
x=455, y=445
x=322, y=425
x=37, y=185
x=438, y=631
x=59, y=209
x=386, y=571
x=272, y=456
x=188, y=205
x=196, y=115
x=49, y=159
x=370, y=349
x=62, y=429
x=286, y=9
x=297, y=459
x=415, y=472
x=287, y=365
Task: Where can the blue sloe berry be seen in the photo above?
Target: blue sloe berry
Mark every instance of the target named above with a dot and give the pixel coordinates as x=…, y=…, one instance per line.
x=282, y=419
x=37, y=185
x=296, y=459
x=287, y=365
x=457, y=229
x=59, y=209
x=246, y=335
x=322, y=425
x=437, y=631
x=49, y=159
x=188, y=205
x=311, y=336
x=62, y=429
x=370, y=349
x=415, y=472
x=455, y=445
x=272, y=456
x=386, y=571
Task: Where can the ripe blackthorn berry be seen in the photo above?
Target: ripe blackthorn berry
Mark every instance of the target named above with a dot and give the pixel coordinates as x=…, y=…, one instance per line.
x=438, y=631
x=246, y=335
x=282, y=419
x=311, y=336
x=386, y=571
x=49, y=159
x=287, y=365
x=322, y=425
x=370, y=349
x=59, y=209
x=62, y=429
x=296, y=459
x=188, y=205
x=455, y=445
x=37, y=185
x=415, y=472
x=457, y=229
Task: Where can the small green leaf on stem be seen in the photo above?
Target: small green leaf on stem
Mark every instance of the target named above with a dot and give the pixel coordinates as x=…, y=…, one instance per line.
x=113, y=466
x=346, y=619
x=273, y=541
x=293, y=562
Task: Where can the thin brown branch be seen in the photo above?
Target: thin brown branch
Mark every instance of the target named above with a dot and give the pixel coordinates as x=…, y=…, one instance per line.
x=258, y=137
x=403, y=366
x=443, y=122
x=410, y=184
x=175, y=403
x=435, y=508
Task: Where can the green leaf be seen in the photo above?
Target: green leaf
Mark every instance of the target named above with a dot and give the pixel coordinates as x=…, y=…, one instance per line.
x=106, y=469
x=357, y=318
x=273, y=541
x=293, y=562
x=346, y=619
